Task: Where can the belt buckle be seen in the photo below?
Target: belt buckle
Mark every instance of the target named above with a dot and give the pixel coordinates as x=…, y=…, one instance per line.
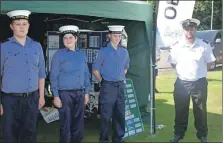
x=25, y=94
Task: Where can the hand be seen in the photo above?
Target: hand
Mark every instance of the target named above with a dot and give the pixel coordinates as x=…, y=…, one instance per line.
x=57, y=102
x=41, y=102
x=86, y=99
x=1, y=109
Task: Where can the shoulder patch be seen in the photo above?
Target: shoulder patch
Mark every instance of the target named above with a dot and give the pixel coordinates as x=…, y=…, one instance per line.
x=205, y=41
x=4, y=41
x=175, y=43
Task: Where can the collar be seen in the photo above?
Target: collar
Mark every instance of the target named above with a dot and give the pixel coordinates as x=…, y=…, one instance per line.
x=28, y=39
x=190, y=46
x=110, y=46
x=76, y=49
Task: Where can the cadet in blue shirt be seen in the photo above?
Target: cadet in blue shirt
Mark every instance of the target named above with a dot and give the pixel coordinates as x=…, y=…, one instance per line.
x=110, y=68
x=23, y=78
x=70, y=84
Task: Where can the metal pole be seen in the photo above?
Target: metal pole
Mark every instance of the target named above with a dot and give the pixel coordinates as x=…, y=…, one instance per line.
x=152, y=92
x=212, y=9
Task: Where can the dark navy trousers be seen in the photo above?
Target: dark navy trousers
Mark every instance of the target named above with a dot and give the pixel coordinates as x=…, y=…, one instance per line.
x=112, y=106
x=19, y=118
x=197, y=90
x=71, y=116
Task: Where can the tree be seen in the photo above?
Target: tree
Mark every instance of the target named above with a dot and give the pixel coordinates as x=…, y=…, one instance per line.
x=202, y=11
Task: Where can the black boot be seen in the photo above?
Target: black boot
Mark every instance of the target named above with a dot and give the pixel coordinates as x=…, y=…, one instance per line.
x=203, y=140
x=175, y=139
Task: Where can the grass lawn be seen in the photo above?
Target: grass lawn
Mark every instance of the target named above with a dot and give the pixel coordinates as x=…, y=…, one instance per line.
x=165, y=110
x=164, y=115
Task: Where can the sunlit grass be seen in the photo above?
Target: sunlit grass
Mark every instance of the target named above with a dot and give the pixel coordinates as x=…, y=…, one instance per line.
x=164, y=115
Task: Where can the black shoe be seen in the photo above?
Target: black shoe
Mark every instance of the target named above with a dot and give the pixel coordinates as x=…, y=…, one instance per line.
x=176, y=139
x=203, y=139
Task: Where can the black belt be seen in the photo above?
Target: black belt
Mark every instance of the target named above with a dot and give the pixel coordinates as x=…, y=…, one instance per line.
x=71, y=90
x=119, y=81
x=26, y=94
x=200, y=79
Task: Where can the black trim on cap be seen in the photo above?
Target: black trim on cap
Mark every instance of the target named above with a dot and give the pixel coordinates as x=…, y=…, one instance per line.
x=190, y=24
x=19, y=17
x=70, y=32
x=115, y=32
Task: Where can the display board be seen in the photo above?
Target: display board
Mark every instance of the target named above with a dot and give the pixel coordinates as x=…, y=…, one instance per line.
x=54, y=42
x=90, y=41
x=133, y=120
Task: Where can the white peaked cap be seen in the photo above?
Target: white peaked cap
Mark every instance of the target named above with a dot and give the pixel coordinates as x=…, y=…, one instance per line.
x=69, y=29
x=190, y=22
x=116, y=28
x=19, y=14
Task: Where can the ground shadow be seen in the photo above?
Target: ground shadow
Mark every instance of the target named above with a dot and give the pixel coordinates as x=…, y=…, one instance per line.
x=160, y=92
x=210, y=80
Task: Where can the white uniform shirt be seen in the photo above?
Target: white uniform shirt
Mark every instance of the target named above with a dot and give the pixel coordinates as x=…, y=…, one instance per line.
x=191, y=61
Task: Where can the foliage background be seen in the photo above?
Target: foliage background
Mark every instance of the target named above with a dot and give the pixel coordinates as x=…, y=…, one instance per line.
x=202, y=11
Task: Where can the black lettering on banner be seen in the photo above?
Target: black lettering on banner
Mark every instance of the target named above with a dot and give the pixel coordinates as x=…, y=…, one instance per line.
x=176, y=2
x=174, y=11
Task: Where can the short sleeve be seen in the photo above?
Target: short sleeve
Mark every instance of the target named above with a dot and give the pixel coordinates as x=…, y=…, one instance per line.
x=208, y=54
x=97, y=63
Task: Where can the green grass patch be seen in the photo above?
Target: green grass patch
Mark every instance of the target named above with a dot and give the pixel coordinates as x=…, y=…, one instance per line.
x=164, y=115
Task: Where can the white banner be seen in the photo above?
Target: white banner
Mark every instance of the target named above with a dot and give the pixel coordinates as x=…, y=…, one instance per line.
x=170, y=14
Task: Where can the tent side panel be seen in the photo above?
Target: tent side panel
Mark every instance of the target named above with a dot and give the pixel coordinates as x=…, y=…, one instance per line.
x=109, y=9
x=139, y=64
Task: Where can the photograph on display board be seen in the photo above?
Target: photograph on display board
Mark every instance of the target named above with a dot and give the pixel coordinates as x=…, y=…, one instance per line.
x=53, y=41
x=105, y=39
x=83, y=41
x=94, y=40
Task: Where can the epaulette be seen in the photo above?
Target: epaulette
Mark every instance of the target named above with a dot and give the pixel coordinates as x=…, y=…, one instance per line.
x=175, y=43
x=4, y=41
x=121, y=46
x=205, y=41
